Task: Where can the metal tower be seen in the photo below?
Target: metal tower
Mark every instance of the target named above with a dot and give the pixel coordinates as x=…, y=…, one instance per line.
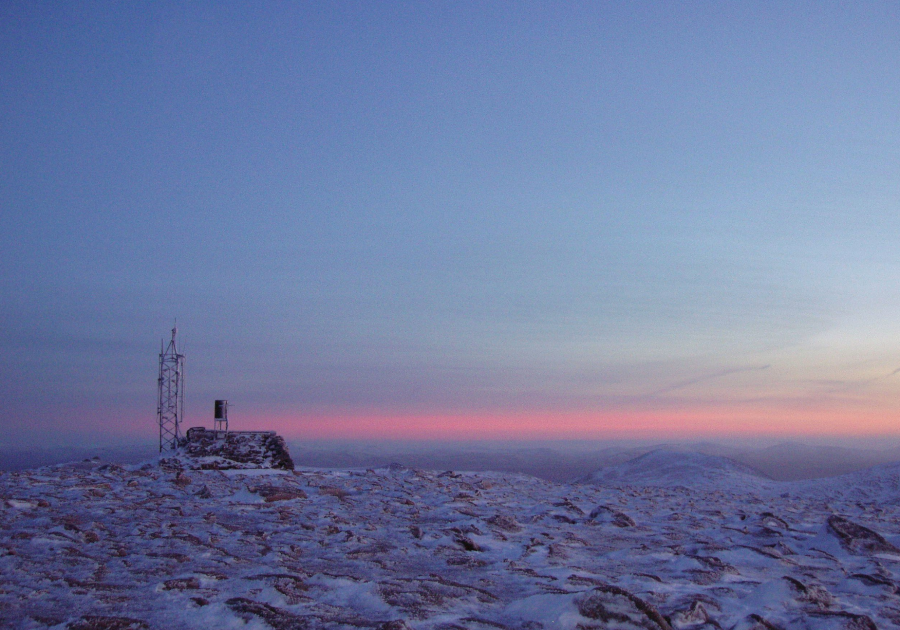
x=170, y=409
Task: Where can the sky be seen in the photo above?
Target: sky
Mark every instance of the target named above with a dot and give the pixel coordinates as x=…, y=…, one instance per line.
x=451, y=220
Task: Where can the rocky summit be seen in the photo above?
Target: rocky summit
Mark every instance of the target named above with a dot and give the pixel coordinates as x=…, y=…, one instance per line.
x=91, y=546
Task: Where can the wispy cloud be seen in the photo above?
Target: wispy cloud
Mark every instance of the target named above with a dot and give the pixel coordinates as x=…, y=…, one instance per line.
x=836, y=386
x=708, y=377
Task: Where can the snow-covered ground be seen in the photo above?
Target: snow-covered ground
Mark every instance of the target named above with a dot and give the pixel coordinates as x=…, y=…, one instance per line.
x=668, y=540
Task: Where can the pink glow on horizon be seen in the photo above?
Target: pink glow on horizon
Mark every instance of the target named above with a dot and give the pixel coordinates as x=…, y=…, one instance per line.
x=779, y=420
x=707, y=423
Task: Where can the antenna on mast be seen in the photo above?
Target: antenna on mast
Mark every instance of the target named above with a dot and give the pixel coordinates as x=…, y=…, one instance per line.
x=170, y=407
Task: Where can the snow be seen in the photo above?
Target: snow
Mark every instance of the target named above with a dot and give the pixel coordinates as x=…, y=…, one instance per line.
x=692, y=470
x=666, y=540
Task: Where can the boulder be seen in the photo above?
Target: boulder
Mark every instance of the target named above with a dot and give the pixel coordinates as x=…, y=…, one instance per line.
x=858, y=539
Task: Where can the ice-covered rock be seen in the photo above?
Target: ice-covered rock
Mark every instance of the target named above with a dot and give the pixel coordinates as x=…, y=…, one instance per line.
x=202, y=449
x=858, y=539
x=615, y=607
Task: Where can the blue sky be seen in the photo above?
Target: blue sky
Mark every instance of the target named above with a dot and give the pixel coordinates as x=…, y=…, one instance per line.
x=563, y=212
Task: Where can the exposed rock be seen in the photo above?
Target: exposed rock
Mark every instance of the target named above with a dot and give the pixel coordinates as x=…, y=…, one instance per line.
x=690, y=617
x=555, y=550
x=844, y=620
x=99, y=622
x=619, y=609
x=810, y=593
x=273, y=493
x=858, y=539
x=202, y=449
x=339, y=493
x=181, y=584
x=604, y=514
x=773, y=522
x=569, y=505
x=204, y=492
x=692, y=613
x=417, y=596
x=467, y=543
x=756, y=622
x=275, y=617
x=875, y=580
x=781, y=548
x=715, y=564
x=291, y=586
x=505, y=522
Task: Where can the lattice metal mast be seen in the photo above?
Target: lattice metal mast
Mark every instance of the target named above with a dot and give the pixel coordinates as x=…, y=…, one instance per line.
x=170, y=409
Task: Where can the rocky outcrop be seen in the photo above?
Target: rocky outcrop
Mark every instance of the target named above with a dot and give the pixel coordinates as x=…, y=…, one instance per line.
x=202, y=449
x=858, y=539
x=616, y=607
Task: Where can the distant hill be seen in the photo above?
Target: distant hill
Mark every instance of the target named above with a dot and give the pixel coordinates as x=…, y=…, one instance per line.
x=678, y=468
x=880, y=484
x=553, y=464
x=792, y=460
x=554, y=461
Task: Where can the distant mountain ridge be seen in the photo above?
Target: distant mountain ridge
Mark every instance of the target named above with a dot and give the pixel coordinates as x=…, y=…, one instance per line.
x=559, y=462
x=667, y=468
x=879, y=483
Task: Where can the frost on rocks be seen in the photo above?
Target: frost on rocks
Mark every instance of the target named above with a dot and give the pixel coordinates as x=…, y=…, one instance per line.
x=858, y=539
x=202, y=449
x=93, y=546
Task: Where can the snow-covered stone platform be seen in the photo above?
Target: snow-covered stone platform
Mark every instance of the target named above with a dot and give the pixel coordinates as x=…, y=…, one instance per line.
x=202, y=449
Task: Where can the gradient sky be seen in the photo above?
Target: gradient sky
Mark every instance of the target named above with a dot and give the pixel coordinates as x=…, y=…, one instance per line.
x=451, y=219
